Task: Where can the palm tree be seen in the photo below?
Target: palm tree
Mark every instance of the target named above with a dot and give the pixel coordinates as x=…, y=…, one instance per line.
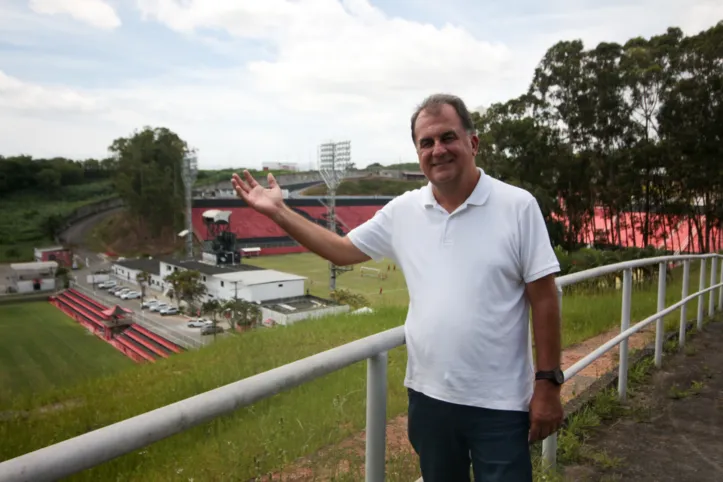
x=243, y=313
x=143, y=279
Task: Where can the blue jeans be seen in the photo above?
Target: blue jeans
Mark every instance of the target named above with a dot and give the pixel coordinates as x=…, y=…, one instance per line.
x=449, y=438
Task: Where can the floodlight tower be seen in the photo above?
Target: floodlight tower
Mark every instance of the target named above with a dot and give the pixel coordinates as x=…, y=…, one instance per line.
x=334, y=160
x=188, y=174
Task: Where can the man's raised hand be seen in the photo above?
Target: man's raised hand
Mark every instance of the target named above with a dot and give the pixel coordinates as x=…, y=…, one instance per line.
x=268, y=201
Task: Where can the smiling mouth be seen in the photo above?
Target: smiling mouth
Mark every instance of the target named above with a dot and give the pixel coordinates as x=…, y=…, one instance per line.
x=442, y=163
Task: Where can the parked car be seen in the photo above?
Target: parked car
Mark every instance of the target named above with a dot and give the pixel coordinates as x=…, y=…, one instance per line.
x=171, y=310
x=108, y=284
x=210, y=330
x=149, y=303
x=116, y=289
x=131, y=295
x=159, y=306
x=120, y=293
x=199, y=323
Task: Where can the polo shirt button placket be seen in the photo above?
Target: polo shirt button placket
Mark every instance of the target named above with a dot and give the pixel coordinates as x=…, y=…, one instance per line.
x=446, y=238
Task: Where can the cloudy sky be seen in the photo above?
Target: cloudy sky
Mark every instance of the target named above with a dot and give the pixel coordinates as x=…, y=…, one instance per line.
x=248, y=81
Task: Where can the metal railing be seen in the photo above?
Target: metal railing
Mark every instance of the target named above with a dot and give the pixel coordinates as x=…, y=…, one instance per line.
x=104, y=444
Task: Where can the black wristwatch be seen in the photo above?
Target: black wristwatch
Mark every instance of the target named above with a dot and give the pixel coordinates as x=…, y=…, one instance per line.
x=555, y=376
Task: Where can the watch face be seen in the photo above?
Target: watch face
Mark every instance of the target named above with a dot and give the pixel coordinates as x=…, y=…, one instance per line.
x=559, y=376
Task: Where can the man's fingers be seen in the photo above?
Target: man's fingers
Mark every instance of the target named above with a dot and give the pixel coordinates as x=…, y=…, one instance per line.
x=534, y=432
x=250, y=179
x=271, y=180
x=238, y=183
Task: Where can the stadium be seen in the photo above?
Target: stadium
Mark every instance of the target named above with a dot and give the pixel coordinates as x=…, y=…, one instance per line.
x=222, y=222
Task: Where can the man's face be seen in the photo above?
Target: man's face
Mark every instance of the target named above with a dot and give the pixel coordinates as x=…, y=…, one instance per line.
x=446, y=152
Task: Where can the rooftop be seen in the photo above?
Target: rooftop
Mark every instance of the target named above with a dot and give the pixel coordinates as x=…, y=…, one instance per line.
x=50, y=248
x=297, y=304
x=152, y=266
x=210, y=269
x=258, y=277
x=34, y=266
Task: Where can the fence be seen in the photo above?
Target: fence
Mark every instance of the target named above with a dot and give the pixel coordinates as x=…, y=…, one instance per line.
x=93, y=448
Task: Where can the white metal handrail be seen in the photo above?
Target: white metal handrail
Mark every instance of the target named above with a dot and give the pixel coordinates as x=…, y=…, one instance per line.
x=104, y=444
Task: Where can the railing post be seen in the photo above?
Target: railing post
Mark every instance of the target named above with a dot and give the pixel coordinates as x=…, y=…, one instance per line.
x=720, y=290
x=659, y=325
x=376, y=418
x=684, y=308
x=711, y=296
x=624, y=325
x=549, y=445
x=701, y=297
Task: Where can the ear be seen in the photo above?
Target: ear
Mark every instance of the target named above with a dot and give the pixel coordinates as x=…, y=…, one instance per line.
x=474, y=141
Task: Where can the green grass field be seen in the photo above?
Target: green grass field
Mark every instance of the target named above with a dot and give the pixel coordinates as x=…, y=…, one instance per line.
x=41, y=348
x=270, y=434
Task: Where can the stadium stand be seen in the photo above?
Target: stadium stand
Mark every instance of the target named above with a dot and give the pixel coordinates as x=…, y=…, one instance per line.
x=134, y=341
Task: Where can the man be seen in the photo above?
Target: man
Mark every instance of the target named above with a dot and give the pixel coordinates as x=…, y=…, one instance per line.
x=476, y=256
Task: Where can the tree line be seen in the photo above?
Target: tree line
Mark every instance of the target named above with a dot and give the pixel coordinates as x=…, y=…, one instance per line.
x=19, y=173
x=634, y=128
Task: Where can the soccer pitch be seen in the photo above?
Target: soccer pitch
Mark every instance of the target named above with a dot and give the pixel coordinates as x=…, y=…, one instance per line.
x=42, y=348
x=393, y=288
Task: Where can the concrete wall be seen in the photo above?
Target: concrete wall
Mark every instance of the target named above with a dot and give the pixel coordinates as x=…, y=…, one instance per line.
x=90, y=209
x=276, y=290
x=295, y=180
x=284, y=319
x=46, y=284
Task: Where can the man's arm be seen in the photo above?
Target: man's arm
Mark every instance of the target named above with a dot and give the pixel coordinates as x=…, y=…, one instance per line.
x=542, y=295
x=546, y=413
x=330, y=246
x=270, y=202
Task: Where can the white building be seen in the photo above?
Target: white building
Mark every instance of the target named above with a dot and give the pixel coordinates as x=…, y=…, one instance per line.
x=226, y=282
x=256, y=285
x=33, y=277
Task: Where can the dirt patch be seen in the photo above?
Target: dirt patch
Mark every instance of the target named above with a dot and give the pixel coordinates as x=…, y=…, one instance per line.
x=673, y=427
x=119, y=234
x=10, y=415
x=347, y=456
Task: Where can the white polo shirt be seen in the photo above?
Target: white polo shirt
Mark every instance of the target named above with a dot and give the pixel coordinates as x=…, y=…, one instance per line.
x=467, y=328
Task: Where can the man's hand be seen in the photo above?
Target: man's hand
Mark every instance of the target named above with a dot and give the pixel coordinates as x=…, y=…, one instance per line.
x=546, y=413
x=266, y=201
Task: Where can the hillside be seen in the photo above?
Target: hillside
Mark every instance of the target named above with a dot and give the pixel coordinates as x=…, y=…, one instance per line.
x=369, y=186
x=30, y=217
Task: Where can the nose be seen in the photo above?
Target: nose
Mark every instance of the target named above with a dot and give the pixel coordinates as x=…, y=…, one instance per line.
x=439, y=149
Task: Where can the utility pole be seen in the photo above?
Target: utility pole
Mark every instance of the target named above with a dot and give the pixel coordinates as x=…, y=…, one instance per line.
x=190, y=171
x=334, y=161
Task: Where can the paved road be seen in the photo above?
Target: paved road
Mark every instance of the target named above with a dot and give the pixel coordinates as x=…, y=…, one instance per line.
x=673, y=429
x=78, y=232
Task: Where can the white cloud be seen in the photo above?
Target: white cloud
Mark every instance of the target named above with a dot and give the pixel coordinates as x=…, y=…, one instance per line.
x=331, y=70
x=96, y=13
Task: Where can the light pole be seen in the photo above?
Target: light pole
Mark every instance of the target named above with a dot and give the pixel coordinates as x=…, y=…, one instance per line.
x=334, y=161
x=188, y=174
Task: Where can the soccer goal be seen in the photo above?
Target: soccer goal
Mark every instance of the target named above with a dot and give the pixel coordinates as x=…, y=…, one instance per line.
x=371, y=273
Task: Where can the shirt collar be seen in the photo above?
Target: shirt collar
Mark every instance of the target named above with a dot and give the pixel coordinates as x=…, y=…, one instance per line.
x=478, y=197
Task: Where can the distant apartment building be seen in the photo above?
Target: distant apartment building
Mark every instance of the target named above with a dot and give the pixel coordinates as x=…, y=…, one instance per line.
x=279, y=166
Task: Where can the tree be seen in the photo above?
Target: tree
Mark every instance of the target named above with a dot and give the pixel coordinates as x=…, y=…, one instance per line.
x=187, y=287
x=242, y=313
x=143, y=279
x=149, y=166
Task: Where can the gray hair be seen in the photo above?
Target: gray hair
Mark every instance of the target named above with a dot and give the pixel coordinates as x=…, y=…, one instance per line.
x=434, y=103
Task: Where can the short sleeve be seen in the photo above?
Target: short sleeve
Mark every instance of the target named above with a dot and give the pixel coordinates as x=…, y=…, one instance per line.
x=537, y=257
x=374, y=237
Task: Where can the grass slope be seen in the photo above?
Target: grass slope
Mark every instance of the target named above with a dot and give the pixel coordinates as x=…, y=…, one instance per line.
x=24, y=215
x=270, y=434
x=41, y=348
